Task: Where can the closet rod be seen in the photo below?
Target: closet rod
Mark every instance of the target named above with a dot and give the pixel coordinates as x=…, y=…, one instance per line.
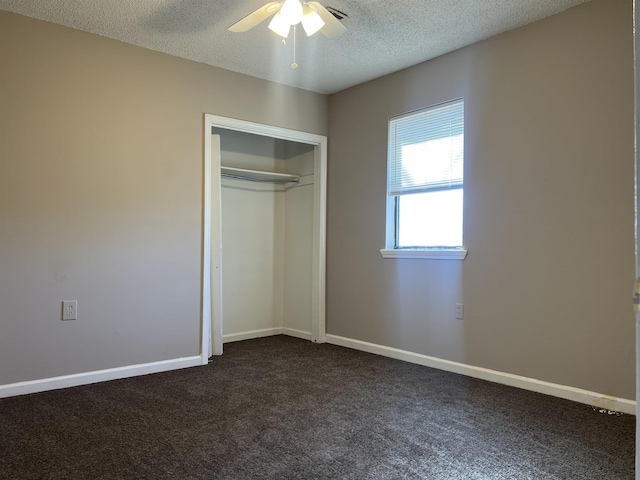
x=258, y=175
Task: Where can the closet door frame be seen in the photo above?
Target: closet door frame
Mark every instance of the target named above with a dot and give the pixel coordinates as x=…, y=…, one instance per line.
x=212, y=321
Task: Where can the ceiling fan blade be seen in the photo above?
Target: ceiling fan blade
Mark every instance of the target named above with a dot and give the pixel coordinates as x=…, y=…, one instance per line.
x=332, y=26
x=253, y=19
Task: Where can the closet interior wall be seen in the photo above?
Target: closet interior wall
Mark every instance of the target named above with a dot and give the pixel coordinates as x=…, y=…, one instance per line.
x=267, y=238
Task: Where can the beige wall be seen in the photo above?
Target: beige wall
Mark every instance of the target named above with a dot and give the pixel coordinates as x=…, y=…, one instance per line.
x=101, y=163
x=548, y=206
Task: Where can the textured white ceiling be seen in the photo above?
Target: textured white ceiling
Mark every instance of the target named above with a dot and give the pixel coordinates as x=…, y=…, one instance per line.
x=383, y=36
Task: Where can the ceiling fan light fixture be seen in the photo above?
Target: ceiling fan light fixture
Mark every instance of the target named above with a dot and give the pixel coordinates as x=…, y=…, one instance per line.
x=279, y=25
x=291, y=11
x=311, y=21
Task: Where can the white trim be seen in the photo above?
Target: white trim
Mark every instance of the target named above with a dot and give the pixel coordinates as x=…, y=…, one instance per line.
x=291, y=332
x=562, y=391
x=319, y=246
x=212, y=338
x=425, y=253
x=266, y=332
x=205, y=329
x=262, y=129
x=214, y=265
x=86, y=378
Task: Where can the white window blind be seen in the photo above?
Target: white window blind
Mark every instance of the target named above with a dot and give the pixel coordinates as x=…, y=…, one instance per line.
x=426, y=149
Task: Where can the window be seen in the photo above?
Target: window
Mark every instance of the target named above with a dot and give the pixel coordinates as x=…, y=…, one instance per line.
x=426, y=183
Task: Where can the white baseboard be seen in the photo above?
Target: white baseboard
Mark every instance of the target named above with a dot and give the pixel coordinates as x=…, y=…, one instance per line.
x=55, y=383
x=265, y=332
x=86, y=378
x=562, y=391
x=296, y=333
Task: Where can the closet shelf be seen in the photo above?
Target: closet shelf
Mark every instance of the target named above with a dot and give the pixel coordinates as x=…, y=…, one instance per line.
x=258, y=176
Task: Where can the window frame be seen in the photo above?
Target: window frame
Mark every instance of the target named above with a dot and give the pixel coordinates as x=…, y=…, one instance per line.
x=391, y=249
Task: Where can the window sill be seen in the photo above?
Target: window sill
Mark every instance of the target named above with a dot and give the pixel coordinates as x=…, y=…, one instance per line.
x=426, y=253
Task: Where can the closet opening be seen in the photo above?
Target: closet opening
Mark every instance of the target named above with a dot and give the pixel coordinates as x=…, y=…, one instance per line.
x=264, y=233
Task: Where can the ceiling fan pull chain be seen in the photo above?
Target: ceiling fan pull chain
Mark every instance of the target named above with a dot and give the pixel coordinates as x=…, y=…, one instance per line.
x=294, y=65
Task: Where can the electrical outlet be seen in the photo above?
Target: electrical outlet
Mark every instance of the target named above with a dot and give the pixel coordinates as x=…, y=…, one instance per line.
x=70, y=310
x=459, y=311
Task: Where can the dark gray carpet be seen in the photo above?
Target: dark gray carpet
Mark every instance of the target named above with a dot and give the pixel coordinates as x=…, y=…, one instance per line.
x=283, y=408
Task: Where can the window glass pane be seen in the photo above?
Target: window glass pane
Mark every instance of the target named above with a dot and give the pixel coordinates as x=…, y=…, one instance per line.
x=426, y=149
x=430, y=219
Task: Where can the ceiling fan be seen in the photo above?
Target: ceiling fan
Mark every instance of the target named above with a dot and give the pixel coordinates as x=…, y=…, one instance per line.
x=287, y=13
